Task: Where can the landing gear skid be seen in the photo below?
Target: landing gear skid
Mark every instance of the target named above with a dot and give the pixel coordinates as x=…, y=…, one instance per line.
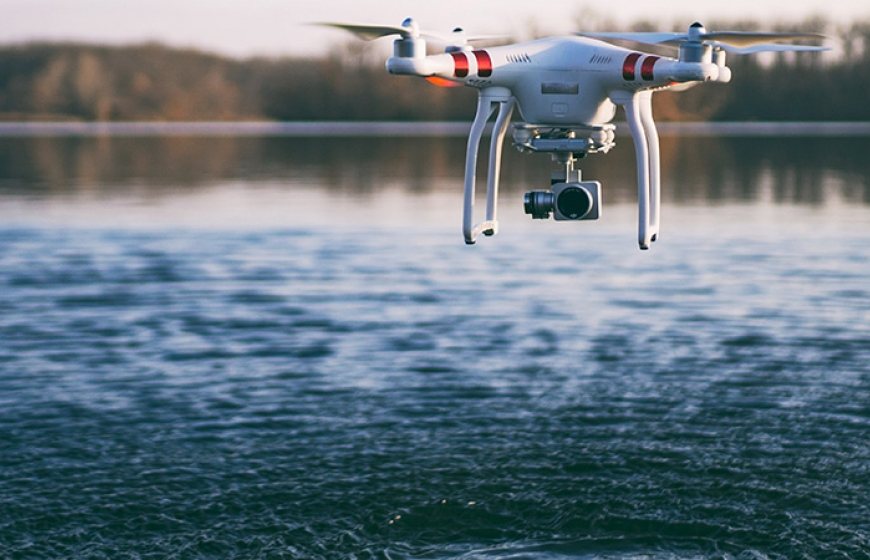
x=638, y=112
x=489, y=99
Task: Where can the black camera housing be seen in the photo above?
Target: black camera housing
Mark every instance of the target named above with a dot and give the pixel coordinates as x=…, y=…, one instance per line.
x=579, y=200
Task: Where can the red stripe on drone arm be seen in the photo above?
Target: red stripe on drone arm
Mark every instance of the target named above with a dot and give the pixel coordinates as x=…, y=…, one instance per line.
x=484, y=64
x=646, y=69
x=460, y=64
x=628, y=66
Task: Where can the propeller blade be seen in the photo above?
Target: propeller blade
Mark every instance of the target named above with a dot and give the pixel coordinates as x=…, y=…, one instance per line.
x=460, y=38
x=649, y=38
x=439, y=37
x=750, y=38
x=407, y=30
x=370, y=32
x=737, y=41
x=480, y=38
x=771, y=47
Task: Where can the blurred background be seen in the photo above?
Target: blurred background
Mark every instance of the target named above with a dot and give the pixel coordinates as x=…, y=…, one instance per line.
x=268, y=339
x=196, y=60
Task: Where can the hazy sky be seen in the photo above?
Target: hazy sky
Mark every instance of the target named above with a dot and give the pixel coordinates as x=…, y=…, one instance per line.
x=247, y=27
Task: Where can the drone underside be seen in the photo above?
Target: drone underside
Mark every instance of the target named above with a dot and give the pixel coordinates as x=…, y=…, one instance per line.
x=569, y=198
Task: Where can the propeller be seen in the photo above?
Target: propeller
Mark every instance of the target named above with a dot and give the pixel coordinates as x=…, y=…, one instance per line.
x=408, y=30
x=457, y=39
x=738, y=42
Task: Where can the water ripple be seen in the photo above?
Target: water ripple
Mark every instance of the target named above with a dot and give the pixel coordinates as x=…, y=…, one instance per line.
x=279, y=394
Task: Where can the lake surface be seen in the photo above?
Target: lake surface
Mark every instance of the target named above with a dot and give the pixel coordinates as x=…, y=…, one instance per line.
x=277, y=347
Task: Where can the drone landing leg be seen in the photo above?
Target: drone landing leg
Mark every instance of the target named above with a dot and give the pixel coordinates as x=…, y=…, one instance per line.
x=484, y=110
x=485, y=107
x=655, y=175
x=633, y=110
x=505, y=110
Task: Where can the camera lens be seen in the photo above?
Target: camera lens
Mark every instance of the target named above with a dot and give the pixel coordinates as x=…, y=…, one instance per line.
x=574, y=202
x=539, y=204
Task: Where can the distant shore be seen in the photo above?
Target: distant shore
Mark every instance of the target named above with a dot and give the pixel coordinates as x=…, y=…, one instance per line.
x=399, y=128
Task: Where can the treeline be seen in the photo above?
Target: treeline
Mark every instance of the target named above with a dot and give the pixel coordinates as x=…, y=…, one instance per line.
x=154, y=82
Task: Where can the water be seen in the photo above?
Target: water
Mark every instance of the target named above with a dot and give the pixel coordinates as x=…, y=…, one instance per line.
x=280, y=348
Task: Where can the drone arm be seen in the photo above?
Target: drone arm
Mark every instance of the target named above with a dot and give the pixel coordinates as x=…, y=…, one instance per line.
x=681, y=72
x=437, y=65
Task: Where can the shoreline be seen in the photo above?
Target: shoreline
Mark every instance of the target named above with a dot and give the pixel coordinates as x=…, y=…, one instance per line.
x=401, y=129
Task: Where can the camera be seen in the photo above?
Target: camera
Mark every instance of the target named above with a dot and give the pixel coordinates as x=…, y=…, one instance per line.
x=579, y=200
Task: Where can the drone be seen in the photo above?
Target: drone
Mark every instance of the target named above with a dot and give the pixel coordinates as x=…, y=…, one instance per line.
x=566, y=91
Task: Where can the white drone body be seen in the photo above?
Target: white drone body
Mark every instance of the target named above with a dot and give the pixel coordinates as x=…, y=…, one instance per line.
x=566, y=90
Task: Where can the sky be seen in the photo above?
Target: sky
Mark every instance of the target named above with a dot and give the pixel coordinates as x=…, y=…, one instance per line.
x=278, y=27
